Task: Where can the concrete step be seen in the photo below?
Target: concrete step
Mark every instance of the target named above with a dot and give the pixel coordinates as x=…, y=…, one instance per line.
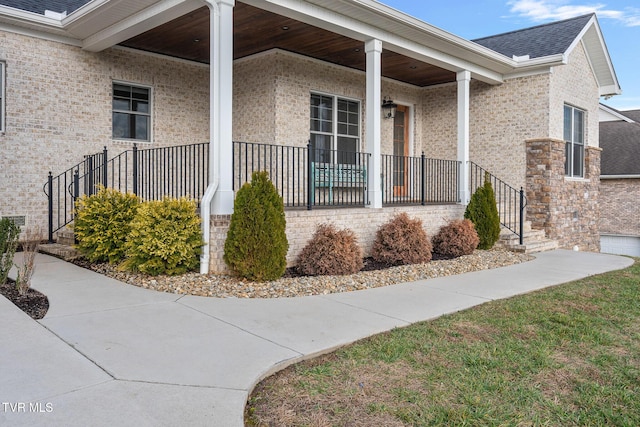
x=529, y=236
x=533, y=247
x=65, y=252
x=65, y=237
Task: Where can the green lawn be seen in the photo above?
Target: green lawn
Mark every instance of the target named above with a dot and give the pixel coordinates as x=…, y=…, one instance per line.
x=568, y=355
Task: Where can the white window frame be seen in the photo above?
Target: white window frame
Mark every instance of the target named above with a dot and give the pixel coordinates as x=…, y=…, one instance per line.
x=148, y=114
x=3, y=79
x=334, y=135
x=573, y=141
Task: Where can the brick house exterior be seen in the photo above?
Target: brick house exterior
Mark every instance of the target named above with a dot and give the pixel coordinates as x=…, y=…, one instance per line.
x=501, y=109
x=620, y=181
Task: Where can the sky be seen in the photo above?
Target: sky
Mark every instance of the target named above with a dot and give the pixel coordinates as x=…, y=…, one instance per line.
x=471, y=19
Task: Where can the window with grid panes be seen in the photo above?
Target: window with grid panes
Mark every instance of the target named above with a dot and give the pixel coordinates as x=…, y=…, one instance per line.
x=131, y=112
x=335, y=129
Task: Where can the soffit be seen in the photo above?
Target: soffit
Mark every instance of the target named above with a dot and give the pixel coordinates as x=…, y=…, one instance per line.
x=258, y=30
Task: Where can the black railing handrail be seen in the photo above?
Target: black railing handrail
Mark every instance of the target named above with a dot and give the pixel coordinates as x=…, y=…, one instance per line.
x=149, y=173
x=510, y=201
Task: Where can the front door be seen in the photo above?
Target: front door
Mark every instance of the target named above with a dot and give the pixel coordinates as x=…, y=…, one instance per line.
x=400, y=150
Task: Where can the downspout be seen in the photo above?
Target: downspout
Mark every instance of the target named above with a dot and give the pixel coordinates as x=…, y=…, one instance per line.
x=214, y=141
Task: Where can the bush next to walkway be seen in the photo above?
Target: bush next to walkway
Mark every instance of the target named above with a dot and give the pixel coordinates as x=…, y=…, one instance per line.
x=401, y=241
x=102, y=224
x=455, y=239
x=256, y=245
x=331, y=252
x=9, y=233
x=165, y=238
x=483, y=212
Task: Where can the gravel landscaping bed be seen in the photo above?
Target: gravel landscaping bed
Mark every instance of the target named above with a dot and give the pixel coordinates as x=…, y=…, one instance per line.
x=224, y=286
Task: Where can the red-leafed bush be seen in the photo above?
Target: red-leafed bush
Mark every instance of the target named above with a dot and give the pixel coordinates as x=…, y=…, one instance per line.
x=457, y=238
x=401, y=241
x=330, y=252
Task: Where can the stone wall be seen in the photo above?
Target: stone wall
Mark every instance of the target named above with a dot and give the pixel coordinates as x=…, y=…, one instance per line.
x=619, y=210
x=566, y=208
x=301, y=225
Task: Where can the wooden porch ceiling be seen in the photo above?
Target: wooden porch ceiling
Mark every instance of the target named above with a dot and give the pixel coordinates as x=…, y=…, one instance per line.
x=257, y=30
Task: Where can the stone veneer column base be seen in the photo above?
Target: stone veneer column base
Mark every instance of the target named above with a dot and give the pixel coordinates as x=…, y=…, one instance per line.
x=565, y=208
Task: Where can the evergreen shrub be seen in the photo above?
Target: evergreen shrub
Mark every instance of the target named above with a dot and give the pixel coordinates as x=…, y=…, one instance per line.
x=256, y=245
x=9, y=233
x=331, y=252
x=401, y=241
x=165, y=238
x=101, y=224
x=483, y=212
x=457, y=238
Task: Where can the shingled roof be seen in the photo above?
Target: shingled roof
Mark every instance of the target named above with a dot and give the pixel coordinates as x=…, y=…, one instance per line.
x=543, y=40
x=39, y=6
x=620, y=143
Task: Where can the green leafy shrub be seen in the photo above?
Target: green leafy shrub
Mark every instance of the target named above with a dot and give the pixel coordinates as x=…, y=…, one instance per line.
x=256, y=245
x=401, y=241
x=165, y=238
x=101, y=224
x=483, y=212
x=331, y=252
x=457, y=238
x=9, y=233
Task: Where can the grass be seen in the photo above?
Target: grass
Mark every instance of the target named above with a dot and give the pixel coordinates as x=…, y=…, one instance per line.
x=568, y=355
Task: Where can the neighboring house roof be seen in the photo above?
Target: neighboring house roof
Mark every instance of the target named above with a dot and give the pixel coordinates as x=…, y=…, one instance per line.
x=620, y=143
x=537, y=42
x=39, y=6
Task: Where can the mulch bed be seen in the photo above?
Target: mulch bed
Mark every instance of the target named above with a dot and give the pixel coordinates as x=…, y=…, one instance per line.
x=34, y=303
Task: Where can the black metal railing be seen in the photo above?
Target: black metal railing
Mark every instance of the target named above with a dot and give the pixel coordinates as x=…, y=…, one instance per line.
x=304, y=176
x=419, y=180
x=151, y=173
x=510, y=201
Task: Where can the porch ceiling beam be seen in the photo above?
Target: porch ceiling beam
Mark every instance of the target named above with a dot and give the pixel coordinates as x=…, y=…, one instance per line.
x=140, y=22
x=356, y=29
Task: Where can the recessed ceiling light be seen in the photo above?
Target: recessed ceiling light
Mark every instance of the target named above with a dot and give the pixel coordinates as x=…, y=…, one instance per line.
x=285, y=27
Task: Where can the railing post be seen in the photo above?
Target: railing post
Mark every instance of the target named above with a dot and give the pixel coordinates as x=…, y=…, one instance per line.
x=50, y=187
x=521, y=216
x=76, y=186
x=310, y=189
x=90, y=178
x=423, y=178
x=105, y=178
x=135, y=169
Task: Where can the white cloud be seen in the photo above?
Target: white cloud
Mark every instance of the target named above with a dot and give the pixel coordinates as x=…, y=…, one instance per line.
x=546, y=10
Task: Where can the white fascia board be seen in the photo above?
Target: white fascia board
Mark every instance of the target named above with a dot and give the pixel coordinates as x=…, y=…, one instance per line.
x=358, y=30
x=17, y=17
x=619, y=177
x=140, y=22
x=82, y=12
x=40, y=34
x=616, y=114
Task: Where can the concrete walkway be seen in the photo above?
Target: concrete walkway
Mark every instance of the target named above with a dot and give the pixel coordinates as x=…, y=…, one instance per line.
x=112, y=354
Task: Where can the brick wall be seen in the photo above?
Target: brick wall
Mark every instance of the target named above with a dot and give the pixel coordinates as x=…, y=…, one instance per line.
x=301, y=225
x=566, y=208
x=58, y=108
x=619, y=211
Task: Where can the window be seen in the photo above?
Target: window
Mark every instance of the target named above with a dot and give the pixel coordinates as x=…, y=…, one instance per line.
x=574, y=142
x=2, y=79
x=335, y=129
x=131, y=112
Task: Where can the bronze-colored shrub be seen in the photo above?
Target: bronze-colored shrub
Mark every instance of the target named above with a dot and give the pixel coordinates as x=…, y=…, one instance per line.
x=401, y=241
x=457, y=238
x=330, y=252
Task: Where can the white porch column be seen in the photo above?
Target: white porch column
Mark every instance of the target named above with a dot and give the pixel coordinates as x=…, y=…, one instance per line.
x=373, y=49
x=464, y=79
x=221, y=103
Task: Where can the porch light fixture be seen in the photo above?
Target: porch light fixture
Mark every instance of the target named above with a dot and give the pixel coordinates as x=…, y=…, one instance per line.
x=389, y=108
